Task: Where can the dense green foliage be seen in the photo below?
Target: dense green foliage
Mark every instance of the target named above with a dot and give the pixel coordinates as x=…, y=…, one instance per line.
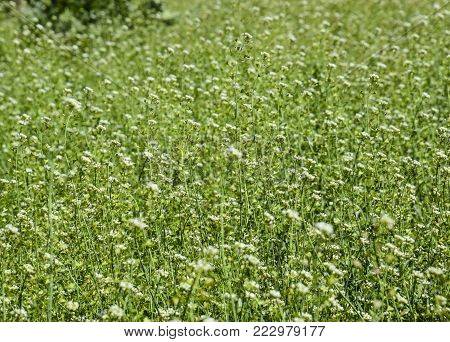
x=74, y=15
x=88, y=10
x=258, y=160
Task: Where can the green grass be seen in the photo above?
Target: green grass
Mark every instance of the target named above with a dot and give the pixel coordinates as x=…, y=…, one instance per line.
x=179, y=172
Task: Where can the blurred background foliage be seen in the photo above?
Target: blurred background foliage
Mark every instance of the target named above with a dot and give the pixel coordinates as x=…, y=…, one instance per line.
x=65, y=15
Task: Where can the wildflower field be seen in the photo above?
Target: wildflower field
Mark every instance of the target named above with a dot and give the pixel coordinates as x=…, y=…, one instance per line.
x=261, y=160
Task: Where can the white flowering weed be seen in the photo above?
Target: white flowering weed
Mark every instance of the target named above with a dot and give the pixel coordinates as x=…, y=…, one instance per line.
x=248, y=160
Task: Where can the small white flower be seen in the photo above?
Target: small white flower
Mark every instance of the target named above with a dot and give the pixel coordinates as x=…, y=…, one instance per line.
x=126, y=285
x=269, y=217
x=253, y=260
x=306, y=274
x=210, y=250
x=12, y=229
x=401, y=299
x=251, y=285
x=292, y=214
x=324, y=228
x=418, y=274
x=73, y=103
x=202, y=266
x=275, y=293
x=250, y=295
x=247, y=35
x=138, y=223
x=185, y=286
x=302, y=288
x=367, y=316
x=208, y=319
x=152, y=186
x=115, y=311
x=386, y=221
x=435, y=271
x=21, y=312
x=333, y=268
x=49, y=256
x=73, y=306
x=29, y=268
x=234, y=152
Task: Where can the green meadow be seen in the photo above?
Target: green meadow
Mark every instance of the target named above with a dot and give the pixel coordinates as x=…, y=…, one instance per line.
x=261, y=160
